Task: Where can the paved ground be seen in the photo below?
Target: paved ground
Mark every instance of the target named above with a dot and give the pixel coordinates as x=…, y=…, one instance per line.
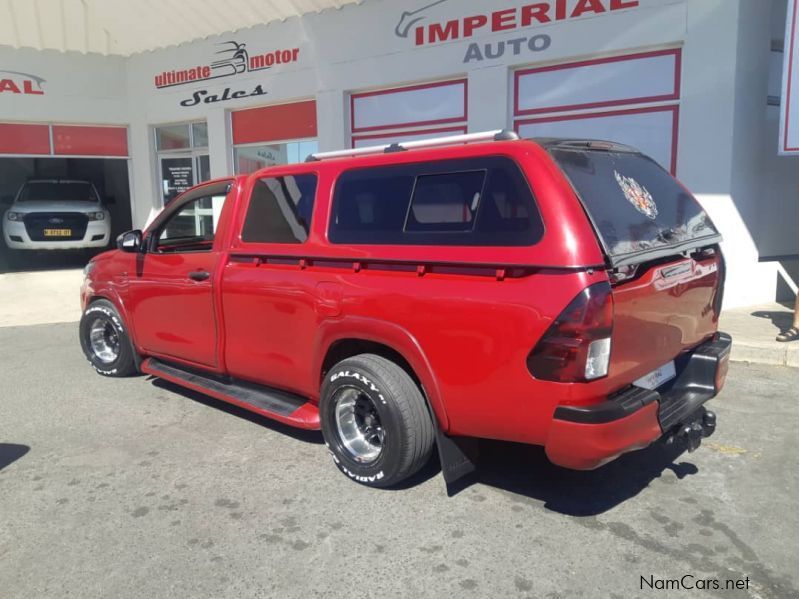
x=40, y=287
x=40, y=297
x=131, y=488
x=754, y=330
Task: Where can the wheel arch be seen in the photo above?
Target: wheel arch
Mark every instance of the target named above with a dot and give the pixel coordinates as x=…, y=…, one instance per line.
x=343, y=339
x=110, y=295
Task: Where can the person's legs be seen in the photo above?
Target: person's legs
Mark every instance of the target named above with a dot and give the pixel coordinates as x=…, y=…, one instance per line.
x=792, y=334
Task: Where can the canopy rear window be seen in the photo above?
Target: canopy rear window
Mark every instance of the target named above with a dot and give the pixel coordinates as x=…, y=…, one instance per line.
x=638, y=209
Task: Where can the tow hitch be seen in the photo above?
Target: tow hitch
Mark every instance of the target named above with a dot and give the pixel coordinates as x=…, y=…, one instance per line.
x=690, y=434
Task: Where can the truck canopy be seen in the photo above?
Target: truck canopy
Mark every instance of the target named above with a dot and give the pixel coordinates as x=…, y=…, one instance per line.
x=638, y=210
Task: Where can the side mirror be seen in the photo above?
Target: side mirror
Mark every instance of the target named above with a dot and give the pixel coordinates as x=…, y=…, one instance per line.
x=7, y=200
x=131, y=241
x=110, y=200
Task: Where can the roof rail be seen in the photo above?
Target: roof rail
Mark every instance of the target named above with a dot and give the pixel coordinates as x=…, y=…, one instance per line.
x=450, y=140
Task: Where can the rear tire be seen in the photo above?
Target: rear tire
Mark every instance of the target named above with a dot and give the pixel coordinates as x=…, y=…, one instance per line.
x=105, y=341
x=375, y=421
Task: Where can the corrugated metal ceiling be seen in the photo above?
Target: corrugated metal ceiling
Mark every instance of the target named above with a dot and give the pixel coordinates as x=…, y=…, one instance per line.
x=125, y=27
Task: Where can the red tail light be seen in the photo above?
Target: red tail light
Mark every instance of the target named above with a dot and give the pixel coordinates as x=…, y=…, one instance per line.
x=577, y=345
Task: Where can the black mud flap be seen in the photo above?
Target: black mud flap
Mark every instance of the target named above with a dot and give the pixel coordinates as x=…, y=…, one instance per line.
x=458, y=457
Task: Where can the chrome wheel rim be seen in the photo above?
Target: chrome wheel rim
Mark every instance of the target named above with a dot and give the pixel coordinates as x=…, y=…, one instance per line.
x=104, y=340
x=358, y=423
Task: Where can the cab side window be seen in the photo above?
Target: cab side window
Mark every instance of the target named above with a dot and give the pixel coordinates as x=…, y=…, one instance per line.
x=193, y=227
x=280, y=210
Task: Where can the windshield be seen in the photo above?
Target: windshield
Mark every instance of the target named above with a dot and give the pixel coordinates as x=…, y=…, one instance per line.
x=635, y=205
x=56, y=191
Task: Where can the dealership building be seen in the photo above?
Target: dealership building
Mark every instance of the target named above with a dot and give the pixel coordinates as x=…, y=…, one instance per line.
x=146, y=105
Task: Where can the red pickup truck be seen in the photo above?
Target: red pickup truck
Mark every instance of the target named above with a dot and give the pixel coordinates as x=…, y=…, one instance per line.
x=563, y=293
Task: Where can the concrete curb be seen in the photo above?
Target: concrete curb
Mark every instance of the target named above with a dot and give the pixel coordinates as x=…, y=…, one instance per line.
x=765, y=353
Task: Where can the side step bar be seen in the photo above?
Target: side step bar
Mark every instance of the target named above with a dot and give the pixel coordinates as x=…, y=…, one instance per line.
x=279, y=405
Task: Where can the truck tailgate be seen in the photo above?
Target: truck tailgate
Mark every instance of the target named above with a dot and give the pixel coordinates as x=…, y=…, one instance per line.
x=668, y=309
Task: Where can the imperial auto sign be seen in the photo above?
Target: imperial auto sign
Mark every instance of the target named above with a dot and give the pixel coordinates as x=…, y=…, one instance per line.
x=14, y=82
x=426, y=26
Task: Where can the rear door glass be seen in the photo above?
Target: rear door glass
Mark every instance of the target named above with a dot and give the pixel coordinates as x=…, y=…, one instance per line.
x=636, y=207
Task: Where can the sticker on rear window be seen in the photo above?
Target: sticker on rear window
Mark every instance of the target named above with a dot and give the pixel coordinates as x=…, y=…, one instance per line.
x=637, y=195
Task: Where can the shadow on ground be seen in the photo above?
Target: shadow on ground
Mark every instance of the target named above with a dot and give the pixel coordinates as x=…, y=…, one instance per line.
x=10, y=453
x=522, y=470
x=782, y=321
x=313, y=437
x=38, y=260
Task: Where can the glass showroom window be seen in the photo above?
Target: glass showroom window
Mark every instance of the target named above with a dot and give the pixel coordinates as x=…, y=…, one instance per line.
x=249, y=159
x=183, y=161
x=270, y=135
x=632, y=99
x=408, y=113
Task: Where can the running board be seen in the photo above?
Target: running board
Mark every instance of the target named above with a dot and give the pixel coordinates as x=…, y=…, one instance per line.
x=279, y=405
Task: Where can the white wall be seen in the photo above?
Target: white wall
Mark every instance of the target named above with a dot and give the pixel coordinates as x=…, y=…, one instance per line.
x=78, y=88
x=728, y=138
x=716, y=97
x=355, y=49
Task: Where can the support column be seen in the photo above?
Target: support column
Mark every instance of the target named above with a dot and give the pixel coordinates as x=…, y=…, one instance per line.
x=489, y=104
x=220, y=143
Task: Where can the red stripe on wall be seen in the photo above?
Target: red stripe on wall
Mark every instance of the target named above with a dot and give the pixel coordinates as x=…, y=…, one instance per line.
x=78, y=140
x=24, y=139
x=275, y=123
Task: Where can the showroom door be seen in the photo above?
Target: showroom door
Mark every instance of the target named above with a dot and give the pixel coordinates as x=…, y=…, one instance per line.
x=180, y=172
x=183, y=159
x=177, y=176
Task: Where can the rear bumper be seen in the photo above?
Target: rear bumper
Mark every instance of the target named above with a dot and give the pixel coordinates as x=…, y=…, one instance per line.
x=586, y=437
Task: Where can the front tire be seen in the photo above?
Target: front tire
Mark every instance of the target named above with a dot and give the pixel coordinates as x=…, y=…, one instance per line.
x=105, y=341
x=375, y=421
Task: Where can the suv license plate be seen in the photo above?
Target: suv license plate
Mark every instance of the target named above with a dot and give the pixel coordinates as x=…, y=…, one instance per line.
x=656, y=378
x=58, y=232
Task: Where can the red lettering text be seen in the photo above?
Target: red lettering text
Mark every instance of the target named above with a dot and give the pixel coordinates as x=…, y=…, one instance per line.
x=621, y=4
x=584, y=6
x=538, y=12
x=470, y=24
x=503, y=20
x=450, y=31
x=7, y=85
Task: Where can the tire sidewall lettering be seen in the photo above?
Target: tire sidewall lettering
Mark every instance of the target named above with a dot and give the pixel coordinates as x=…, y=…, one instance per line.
x=104, y=311
x=376, y=472
x=363, y=380
x=109, y=314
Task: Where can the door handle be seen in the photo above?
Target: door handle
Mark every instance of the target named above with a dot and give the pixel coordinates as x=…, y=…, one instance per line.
x=200, y=275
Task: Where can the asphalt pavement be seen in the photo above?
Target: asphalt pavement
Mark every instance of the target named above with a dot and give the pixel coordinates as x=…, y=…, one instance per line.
x=134, y=488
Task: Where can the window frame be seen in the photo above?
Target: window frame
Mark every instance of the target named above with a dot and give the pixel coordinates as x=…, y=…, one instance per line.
x=619, y=106
x=208, y=190
x=191, y=148
x=484, y=171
